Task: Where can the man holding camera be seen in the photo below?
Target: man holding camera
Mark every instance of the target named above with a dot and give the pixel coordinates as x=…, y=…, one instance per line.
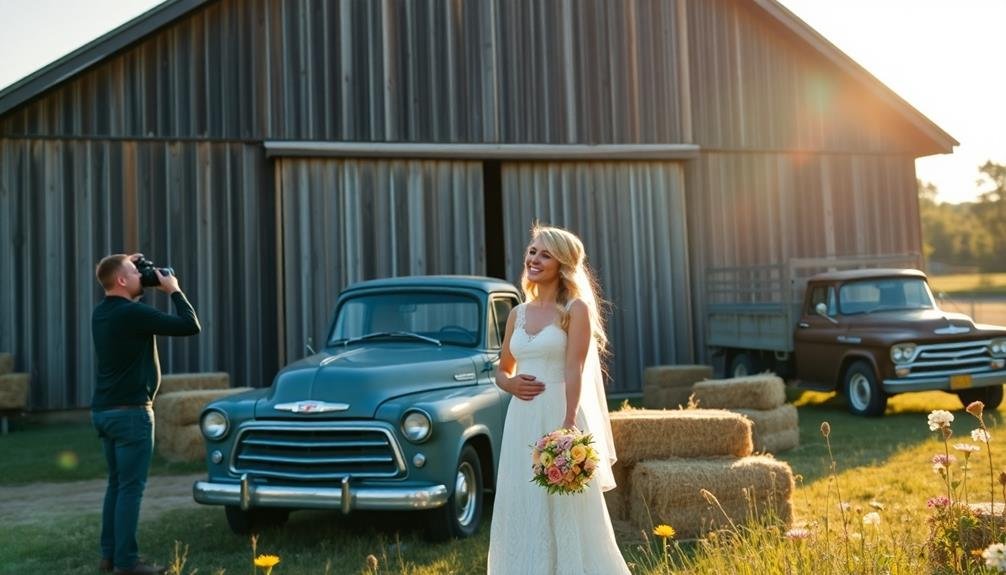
x=127, y=376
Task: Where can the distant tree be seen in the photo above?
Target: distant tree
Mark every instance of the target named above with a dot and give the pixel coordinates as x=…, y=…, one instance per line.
x=953, y=234
x=991, y=211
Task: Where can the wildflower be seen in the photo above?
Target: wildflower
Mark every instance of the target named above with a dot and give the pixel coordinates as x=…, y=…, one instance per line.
x=372, y=563
x=995, y=556
x=940, y=419
x=975, y=408
x=942, y=461
x=938, y=502
x=266, y=562
x=825, y=428
x=966, y=448
x=877, y=505
x=980, y=435
x=798, y=534
x=664, y=531
x=871, y=518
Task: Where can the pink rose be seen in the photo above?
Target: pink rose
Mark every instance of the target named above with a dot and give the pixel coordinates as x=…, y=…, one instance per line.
x=554, y=475
x=589, y=464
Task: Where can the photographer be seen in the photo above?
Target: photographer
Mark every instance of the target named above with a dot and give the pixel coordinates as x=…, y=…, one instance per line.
x=127, y=377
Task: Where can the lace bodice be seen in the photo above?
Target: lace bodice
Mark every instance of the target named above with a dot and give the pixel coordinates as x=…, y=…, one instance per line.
x=541, y=354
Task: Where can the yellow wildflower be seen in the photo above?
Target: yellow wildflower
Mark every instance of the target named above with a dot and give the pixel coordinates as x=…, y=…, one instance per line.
x=664, y=531
x=266, y=562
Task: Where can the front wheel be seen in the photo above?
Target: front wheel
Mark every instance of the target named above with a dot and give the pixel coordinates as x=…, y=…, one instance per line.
x=461, y=515
x=991, y=396
x=863, y=392
x=742, y=364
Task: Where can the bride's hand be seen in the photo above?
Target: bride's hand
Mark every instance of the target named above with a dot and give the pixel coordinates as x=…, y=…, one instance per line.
x=524, y=386
x=569, y=424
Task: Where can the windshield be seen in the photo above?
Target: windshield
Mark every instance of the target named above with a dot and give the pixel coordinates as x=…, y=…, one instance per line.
x=448, y=318
x=884, y=294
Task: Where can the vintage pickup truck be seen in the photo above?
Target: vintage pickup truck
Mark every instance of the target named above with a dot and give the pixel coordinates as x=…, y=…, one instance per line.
x=399, y=411
x=867, y=333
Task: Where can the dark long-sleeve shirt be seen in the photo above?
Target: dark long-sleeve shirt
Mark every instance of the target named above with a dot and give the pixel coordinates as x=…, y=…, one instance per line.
x=127, y=369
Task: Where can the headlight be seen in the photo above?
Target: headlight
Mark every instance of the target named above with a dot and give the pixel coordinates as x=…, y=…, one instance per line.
x=214, y=424
x=902, y=352
x=416, y=426
x=998, y=347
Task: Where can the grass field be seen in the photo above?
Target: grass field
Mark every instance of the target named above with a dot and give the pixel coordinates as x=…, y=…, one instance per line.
x=973, y=284
x=884, y=460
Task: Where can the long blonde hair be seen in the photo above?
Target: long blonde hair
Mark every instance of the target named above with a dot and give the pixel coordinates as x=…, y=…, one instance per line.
x=575, y=279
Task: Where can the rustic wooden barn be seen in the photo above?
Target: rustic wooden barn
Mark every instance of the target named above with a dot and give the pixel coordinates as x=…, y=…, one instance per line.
x=273, y=151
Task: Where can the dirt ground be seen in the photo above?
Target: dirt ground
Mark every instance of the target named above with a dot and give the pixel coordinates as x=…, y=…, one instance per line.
x=44, y=502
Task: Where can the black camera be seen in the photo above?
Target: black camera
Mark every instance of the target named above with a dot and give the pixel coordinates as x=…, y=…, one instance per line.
x=148, y=278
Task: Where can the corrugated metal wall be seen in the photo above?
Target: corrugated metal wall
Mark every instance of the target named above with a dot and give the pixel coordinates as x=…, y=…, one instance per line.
x=392, y=70
x=205, y=209
x=350, y=220
x=758, y=209
x=631, y=218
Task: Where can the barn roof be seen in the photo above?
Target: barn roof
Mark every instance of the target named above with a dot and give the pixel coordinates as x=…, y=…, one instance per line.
x=169, y=11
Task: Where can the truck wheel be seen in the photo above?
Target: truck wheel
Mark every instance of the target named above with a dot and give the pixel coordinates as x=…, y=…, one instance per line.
x=863, y=392
x=991, y=396
x=244, y=522
x=461, y=515
x=741, y=364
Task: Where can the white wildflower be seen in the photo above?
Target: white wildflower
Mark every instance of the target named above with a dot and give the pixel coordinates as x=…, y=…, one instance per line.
x=981, y=435
x=995, y=556
x=940, y=418
x=871, y=518
x=966, y=448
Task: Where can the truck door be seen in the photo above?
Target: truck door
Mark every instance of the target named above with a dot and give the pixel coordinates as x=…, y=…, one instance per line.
x=817, y=340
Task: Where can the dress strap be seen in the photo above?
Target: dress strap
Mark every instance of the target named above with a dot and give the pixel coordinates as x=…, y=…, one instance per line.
x=520, y=315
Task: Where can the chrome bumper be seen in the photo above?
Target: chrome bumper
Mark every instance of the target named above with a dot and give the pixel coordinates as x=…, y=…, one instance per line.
x=248, y=494
x=983, y=379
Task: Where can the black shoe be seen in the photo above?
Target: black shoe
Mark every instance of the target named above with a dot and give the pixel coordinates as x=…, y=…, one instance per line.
x=105, y=566
x=142, y=569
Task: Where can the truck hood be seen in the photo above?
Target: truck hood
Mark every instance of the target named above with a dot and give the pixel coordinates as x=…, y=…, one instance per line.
x=344, y=383
x=923, y=325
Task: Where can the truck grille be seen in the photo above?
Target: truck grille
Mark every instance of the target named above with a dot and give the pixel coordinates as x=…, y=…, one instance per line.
x=950, y=358
x=308, y=451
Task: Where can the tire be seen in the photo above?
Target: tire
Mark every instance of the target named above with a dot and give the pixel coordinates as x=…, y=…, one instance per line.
x=991, y=396
x=863, y=393
x=254, y=520
x=742, y=364
x=461, y=515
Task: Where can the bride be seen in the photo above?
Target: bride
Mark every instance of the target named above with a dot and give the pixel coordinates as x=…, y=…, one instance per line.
x=550, y=363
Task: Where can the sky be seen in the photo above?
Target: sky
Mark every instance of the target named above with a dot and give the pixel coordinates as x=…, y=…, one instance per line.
x=947, y=58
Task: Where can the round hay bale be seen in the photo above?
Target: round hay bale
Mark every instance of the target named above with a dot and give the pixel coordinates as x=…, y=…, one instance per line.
x=642, y=434
x=6, y=363
x=773, y=430
x=666, y=398
x=14, y=390
x=670, y=492
x=173, y=382
x=765, y=391
x=181, y=443
x=668, y=376
x=617, y=499
x=183, y=407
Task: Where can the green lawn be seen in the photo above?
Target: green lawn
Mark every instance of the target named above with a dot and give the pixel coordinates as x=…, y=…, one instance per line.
x=969, y=284
x=884, y=460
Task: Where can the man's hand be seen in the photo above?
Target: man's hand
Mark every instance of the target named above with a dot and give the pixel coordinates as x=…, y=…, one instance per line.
x=169, y=284
x=524, y=386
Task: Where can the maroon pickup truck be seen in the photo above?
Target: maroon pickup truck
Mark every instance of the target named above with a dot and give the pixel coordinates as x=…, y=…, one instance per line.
x=868, y=333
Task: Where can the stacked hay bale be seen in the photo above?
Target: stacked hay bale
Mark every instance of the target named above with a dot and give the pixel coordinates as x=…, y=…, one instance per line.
x=760, y=398
x=179, y=403
x=693, y=470
x=669, y=386
x=13, y=390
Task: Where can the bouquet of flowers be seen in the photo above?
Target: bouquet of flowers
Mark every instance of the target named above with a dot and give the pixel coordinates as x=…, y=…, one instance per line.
x=563, y=461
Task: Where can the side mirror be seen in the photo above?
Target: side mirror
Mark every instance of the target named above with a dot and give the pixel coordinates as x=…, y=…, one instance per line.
x=307, y=346
x=822, y=310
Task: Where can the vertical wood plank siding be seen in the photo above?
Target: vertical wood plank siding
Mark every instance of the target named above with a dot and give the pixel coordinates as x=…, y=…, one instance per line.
x=350, y=220
x=203, y=209
x=758, y=209
x=397, y=70
x=631, y=218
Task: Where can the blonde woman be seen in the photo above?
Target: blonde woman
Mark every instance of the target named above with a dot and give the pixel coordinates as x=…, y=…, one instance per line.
x=550, y=362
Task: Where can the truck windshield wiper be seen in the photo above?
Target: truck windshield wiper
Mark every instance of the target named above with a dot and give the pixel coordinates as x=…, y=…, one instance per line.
x=379, y=334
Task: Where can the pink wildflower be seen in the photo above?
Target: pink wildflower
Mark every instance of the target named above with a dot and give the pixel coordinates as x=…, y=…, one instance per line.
x=938, y=502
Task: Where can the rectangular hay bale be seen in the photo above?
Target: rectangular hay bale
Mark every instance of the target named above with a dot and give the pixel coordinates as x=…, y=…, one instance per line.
x=666, y=398
x=181, y=443
x=774, y=430
x=184, y=407
x=6, y=363
x=764, y=391
x=642, y=434
x=173, y=382
x=14, y=390
x=670, y=492
x=617, y=499
x=675, y=376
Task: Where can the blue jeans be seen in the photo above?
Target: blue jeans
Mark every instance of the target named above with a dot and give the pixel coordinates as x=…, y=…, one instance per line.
x=127, y=437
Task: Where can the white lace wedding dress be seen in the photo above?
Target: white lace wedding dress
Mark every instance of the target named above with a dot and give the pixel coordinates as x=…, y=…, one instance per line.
x=534, y=533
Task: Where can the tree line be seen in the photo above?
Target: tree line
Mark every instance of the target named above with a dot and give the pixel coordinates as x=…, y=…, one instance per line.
x=971, y=234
